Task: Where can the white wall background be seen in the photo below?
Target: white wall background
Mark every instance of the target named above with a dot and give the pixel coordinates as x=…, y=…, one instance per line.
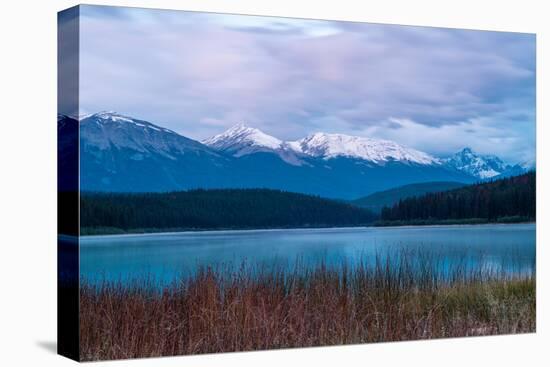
x=28, y=181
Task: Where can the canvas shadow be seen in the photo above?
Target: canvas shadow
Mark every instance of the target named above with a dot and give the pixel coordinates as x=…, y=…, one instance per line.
x=48, y=345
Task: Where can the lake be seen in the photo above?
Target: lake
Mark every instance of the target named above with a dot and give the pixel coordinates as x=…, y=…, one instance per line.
x=166, y=256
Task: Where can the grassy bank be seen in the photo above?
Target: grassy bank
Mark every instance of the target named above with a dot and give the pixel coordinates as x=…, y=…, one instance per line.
x=217, y=311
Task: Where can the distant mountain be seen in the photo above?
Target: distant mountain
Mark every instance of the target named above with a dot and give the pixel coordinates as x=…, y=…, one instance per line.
x=243, y=140
x=334, y=165
x=122, y=154
x=517, y=169
x=327, y=146
x=477, y=165
x=105, y=129
x=376, y=201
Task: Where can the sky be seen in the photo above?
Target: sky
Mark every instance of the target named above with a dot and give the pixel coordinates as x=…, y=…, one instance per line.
x=434, y=89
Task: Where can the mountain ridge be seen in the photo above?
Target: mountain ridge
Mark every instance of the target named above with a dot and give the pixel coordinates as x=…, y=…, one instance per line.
x=123, y=154
x=377, y=151
x=241, y=140
x=481, y=166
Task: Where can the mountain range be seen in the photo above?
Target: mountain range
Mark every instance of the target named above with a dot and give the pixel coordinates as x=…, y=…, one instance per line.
x=123, y=154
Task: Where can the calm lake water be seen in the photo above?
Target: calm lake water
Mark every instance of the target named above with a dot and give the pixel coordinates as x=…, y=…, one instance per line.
x=169, y=255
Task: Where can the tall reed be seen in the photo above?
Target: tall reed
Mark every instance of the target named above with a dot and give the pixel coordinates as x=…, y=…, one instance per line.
x=400, y=297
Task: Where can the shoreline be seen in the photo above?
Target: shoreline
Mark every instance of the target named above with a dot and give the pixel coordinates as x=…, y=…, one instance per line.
x=395, y=224
x=255, y=230
x=218, y=231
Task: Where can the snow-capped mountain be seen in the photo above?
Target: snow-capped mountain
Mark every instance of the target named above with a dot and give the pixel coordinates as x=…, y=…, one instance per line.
x=327, y=146
x=242, y=140
x=477, y=165
x=105, y=129
x=121, y=153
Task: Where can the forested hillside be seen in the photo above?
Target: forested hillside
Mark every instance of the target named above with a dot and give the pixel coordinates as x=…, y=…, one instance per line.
x=509, y=199
x=213, y=209
x=375, y=202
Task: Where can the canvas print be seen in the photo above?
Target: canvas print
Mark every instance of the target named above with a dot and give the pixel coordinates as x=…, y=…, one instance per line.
x=240, y=183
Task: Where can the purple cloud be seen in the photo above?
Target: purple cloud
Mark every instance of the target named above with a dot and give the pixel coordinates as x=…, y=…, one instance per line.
x=199, y=73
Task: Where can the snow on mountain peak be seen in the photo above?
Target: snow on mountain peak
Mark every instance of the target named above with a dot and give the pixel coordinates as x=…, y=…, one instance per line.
x=105, y=129
x=106, y=115
x=114, y=117
x=100, y=131
x=480, y=166
x=328, y=146
x=241, y=139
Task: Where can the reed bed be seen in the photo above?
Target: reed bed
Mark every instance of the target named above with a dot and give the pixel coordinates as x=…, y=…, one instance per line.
x=219, y=310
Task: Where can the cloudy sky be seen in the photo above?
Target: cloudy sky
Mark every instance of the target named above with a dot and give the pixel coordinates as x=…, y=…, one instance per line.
x=433, y=89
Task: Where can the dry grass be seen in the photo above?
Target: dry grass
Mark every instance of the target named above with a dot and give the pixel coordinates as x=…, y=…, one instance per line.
x=220, y=311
